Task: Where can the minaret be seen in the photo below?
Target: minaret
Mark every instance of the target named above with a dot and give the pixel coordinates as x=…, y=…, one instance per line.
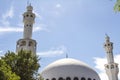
x=27, y=43
x=111, y=67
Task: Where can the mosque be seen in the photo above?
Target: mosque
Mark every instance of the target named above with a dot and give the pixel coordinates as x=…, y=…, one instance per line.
x=67, y=68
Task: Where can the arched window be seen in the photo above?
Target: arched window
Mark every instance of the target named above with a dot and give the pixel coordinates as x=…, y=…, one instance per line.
x=75, y=78
x=68, y=78
x=53, y=78
x=89, y=78
x=27, y=15
x=112, y=66
x=60, y=78
x=82, y=78
x=23, y=43
x=30, y=43
x=30, y=25
x=31, y=15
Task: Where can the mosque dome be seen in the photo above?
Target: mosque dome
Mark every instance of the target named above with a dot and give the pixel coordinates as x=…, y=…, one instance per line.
x=69, y=69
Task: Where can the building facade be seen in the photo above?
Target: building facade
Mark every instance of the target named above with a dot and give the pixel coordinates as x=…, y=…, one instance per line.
x=27, y=43
x=111, y=67
x=68, y=68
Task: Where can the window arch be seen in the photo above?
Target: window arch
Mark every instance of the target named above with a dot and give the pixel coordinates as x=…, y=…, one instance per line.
x=82, y=78
x=112, y=66
x=53, y=78
x=60, y=78
x=27, y=15
x=68, y=78
x=89, y=78
x=30, y=25
x=31, y=15
x=30, y=43
x=75, y=78
x=23, y=43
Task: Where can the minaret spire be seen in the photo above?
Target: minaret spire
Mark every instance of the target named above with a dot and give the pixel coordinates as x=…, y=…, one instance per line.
x=27, y=43
x=111, y=67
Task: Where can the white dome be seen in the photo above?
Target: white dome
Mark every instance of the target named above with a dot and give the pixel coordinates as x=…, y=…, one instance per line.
x=69, y=68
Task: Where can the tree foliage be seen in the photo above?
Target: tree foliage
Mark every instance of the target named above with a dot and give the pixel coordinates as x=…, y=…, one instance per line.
x=40, y=77
x=117, y=6
x=24, y=64
x=6, y=72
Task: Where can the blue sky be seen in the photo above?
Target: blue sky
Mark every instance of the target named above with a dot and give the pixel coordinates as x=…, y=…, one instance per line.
x=73, y=27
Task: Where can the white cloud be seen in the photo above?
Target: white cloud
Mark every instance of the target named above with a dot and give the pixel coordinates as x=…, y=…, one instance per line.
x=1, y=53
x=58, y=9
x=53, y=52
x=5, y=25
x=58, y=5
x=9, y=14
x=18, y=29
x=37, y=15
x=41, y=27
x=10, y=29
x=54, y=10
x=35, y=29
x=100, y=62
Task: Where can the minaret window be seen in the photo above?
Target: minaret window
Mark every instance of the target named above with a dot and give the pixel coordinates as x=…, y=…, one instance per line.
x=107, y=66
x=30, y=43
x=31, y=15
x=116, y=66
x=17, y=43
x=23, y=43
x=105, y=45
x=112, y=66
x=27, y=15
x=30, y=25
